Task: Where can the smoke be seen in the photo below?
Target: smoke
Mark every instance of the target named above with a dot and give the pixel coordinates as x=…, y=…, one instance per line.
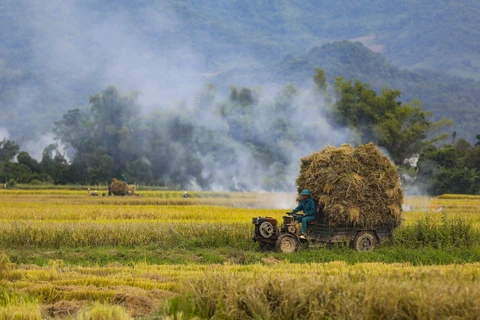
x=36, y=147
x=307, y=129
x=78, y=47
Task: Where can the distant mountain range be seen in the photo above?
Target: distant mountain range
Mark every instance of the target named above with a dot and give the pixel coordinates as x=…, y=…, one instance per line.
x=442, y=35
x=444, y=95
x=54, y=54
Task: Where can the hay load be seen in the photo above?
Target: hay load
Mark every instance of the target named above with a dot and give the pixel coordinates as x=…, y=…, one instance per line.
x=121, y=188
x=131, y=189
x=357, y=186
x=118, y=188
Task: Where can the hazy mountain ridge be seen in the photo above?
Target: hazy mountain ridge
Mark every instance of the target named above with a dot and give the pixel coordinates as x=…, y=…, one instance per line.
x=444, y=95
x=53, y=56
x=444, y=35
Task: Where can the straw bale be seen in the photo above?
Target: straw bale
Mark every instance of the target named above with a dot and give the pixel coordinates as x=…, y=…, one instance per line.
x=357, y=186
x=131, y=188
x=119, y=188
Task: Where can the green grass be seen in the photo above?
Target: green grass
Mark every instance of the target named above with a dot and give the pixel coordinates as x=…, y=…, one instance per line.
x=102, y=256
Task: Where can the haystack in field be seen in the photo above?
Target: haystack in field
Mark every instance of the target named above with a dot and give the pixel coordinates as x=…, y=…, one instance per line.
x=131, y=188
x=118, y=188
x=357, y=186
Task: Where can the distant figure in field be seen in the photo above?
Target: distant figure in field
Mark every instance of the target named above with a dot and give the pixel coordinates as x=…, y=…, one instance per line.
x=185, y=195
x=89, y=192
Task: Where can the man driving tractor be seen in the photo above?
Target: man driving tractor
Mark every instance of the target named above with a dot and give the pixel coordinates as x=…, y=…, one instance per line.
x=307, y=205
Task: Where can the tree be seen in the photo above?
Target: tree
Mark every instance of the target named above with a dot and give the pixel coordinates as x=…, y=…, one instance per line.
x=115, y=118
x=404, y=129
x=54, y=164
x=238, y=112
x=19, y=172
x=431, y=160
x=8, y=150
x=320, y=81
x=451, y=168
x=320, y=87
x=75, y=129
x=104, y=139
x=25, y=159
x=456, y=180
x=102, y=169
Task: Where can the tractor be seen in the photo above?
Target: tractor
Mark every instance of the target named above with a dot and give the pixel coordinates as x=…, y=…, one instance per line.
x=320, y=234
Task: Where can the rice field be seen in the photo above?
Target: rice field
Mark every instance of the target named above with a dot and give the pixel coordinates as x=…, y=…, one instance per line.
x=159, y=256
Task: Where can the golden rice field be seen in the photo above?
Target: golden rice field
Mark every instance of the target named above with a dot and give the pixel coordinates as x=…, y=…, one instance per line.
x=161, y=256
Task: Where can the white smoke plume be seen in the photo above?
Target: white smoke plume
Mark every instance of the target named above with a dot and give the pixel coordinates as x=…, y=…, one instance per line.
x=79, y=48
x=36, y=147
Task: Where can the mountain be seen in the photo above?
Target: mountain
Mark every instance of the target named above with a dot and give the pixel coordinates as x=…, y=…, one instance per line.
x=444, y=95
x=54, y=54
x=442, y=35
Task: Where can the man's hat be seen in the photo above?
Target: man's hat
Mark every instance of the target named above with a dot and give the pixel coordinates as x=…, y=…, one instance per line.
x=305, y=192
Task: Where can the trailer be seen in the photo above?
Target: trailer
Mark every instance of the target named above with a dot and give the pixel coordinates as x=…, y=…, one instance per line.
x=320, y=234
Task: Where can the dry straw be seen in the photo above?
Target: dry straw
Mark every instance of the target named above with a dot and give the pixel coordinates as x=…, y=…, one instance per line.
x=357, y=186
x=120, y=188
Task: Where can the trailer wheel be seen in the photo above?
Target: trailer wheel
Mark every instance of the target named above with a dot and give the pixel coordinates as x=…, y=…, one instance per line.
x=364, y=241
x=286, y=243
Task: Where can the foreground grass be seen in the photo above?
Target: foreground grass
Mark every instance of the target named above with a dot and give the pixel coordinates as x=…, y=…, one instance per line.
x=335, y=290
x=279, y=290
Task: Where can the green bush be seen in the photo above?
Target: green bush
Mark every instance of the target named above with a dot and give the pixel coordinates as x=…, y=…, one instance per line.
x=35, y=182
x=11, y=183
x=45, y=178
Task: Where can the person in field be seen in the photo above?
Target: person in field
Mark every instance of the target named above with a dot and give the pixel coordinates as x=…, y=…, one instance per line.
x=307, y=205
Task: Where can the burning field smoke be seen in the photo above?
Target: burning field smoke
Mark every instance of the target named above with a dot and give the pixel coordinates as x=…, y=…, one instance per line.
x=216, y=138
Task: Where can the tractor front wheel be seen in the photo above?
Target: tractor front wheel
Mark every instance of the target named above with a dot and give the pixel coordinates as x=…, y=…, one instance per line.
x=266, y=229
x=287, y=243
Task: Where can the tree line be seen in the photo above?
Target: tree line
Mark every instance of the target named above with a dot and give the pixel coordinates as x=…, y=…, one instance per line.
x=245, y=141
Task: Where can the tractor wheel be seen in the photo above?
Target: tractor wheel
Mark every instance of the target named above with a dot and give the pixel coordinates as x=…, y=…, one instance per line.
x=364, y=241
x=265, y=246
x=286, y=243
x=292, y=229
x=266, y=229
